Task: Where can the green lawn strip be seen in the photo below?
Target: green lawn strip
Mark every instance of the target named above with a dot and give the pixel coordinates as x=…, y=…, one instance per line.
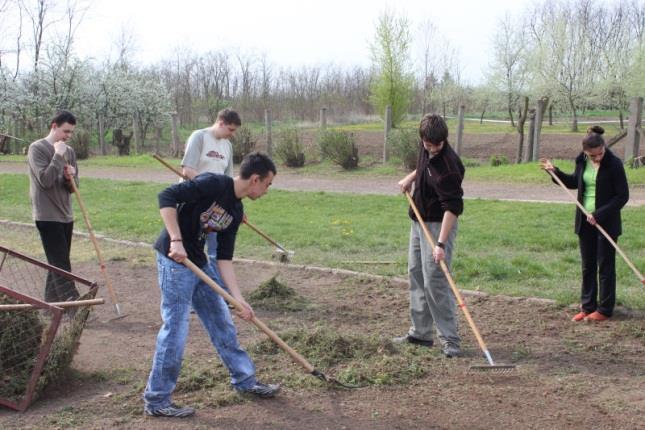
x=368, y=166
x=522, y=249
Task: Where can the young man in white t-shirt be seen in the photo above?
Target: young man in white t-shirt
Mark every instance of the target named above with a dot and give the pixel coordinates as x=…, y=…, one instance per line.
x=210, y=150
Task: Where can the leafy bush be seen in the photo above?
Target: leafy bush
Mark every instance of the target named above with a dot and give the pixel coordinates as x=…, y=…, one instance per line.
x=404, y=144
x=469, y=162
x=338, y=146
x=80, y=141
x=243, y=143
x=498, y=160
x=289, y=149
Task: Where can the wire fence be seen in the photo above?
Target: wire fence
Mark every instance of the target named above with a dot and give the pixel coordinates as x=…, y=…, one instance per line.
x=42, y=314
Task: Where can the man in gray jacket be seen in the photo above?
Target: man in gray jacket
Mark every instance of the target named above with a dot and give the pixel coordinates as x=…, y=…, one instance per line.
x=52, y=165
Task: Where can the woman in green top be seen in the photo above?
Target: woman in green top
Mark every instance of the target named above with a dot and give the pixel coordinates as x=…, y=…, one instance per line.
x=600, y=179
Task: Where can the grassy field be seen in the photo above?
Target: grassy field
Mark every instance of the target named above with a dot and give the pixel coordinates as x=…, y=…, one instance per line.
x=519, y=249
x=524, y=173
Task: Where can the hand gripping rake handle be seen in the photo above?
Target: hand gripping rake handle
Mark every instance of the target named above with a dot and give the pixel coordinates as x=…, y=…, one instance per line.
x=254, y=228
x=599, y=227
x=90, y=230
x=263, y=327
x=444, y=268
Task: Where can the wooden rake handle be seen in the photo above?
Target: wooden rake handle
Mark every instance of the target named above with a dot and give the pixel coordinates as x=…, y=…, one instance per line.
x=259, y=324
x=266, y=236
x=599, y=227
x=90, y=231
x=254, y=228
x=171, y=167
x=455, y=290
x=64, y=305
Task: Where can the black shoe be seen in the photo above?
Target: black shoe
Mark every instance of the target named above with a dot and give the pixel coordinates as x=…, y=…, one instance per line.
x=263, y=390
x=172, y=411
x=413, y=340
x=451, y=350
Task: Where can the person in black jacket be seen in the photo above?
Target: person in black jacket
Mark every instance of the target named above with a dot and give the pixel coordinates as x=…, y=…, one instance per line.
x=602, y=187
x=439, y=197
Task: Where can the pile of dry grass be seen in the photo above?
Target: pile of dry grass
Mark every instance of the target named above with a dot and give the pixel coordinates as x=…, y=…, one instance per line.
x=276, y=296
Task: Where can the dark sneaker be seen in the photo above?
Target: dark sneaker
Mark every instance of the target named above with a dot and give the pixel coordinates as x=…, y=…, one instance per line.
x=451, y=350
x=172, y=411
x=411, y=339
x=263, y=390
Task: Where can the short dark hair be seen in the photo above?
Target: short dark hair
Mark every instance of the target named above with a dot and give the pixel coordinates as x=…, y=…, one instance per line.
x=229, y=116
x=62, y=117
x=257, y=163
x=594, y=138
x=433, y=129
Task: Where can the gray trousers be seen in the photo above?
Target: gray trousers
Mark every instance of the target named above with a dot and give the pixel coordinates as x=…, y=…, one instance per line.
x=431, y=299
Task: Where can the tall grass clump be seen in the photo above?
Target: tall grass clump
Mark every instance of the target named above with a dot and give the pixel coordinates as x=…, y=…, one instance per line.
x=404, y=144
x=339, y=147
x=289, y=148
x=243, y=143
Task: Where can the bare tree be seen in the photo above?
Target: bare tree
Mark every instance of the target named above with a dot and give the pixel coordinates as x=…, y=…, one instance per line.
x=427, y=36
x=37, y=14
x=509, y=68
x=567, y=50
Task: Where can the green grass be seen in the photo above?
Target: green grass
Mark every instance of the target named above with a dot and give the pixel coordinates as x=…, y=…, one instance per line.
x=524, y=249
x=516, y=173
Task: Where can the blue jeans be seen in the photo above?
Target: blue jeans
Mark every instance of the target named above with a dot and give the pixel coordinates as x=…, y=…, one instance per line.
x=211, y=246
x=181, y=288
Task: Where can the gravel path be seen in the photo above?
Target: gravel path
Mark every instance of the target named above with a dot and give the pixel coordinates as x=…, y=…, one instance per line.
x=360, y=184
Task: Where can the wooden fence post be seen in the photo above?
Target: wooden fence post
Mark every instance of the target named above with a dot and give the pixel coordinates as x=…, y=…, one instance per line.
x=528, y=153
x=174, y=134
x=267, y=125
x=388, y=127
x=102, y=146
x=634, y=129
x=137, y=137
x=539, y=114
x=323, y=118
x=460, y=129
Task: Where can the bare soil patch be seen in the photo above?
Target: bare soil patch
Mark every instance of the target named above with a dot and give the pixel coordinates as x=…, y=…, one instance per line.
x=568, y=375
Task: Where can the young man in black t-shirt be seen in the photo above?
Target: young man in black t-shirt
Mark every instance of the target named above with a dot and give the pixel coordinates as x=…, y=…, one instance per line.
x=190, y=210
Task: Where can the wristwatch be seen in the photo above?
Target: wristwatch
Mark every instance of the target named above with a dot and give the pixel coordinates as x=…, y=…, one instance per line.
x=441, y=245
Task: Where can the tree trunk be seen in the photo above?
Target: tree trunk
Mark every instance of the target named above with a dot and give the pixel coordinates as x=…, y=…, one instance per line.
x=520, y=130
x=574, y=118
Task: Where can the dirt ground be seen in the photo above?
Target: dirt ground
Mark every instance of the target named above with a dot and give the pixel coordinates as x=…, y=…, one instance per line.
x=568, y=375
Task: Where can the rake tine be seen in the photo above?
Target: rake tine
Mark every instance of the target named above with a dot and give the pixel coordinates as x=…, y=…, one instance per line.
x=331, y=380
x=495, y=368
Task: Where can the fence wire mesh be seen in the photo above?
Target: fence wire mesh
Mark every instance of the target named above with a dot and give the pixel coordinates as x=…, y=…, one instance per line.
x=38, y=339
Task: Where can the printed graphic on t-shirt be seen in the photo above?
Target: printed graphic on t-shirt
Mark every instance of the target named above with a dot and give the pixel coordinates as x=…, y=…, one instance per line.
x=215, y=154
x=215, y=218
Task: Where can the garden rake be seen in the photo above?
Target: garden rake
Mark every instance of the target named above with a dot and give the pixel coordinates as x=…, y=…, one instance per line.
x=104, y=272
x=600, y=229
x=491, y=367
x=283, y=255
x=264, y=328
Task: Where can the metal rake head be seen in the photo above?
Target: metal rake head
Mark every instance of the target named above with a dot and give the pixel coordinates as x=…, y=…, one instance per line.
x=493, y=368
x=282, y=256
x=330, y=380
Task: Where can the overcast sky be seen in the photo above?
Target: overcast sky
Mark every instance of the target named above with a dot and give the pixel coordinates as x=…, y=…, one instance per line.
x=289, y=32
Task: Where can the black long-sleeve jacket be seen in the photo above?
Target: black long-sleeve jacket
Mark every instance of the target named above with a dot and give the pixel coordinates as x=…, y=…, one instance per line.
x=437, y=187
x=612, y=191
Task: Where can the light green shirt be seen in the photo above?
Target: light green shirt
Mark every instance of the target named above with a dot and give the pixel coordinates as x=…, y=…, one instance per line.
x=589, y=179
